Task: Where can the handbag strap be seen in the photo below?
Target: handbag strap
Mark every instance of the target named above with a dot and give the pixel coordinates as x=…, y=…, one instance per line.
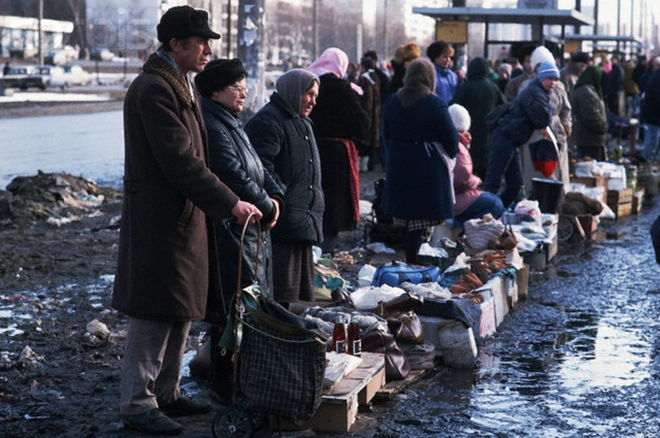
x=240, y=256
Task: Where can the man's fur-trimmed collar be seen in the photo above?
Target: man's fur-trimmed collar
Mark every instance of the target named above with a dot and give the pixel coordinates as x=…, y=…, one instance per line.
x=159, y=66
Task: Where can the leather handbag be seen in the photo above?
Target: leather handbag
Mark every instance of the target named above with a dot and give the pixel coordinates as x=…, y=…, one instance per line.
x=406, y=327
x=397, y=366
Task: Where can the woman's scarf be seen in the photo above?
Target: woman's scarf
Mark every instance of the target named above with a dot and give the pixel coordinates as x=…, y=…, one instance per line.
x=293, y=84
x=418, y=82
x=590, y=76
x=332, y=60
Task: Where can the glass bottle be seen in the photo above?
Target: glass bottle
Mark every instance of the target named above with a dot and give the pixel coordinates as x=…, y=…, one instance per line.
x=339, y=336
x=354, y=339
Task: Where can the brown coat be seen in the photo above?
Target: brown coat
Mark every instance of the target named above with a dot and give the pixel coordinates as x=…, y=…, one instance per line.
x=167, y=268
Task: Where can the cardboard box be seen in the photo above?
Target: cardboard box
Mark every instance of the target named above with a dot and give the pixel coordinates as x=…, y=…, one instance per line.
x=522, y=281
x=483, y=314
x=453, y=341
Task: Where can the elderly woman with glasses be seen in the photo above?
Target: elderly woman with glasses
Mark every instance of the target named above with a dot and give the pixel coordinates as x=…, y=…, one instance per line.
x=222, y=85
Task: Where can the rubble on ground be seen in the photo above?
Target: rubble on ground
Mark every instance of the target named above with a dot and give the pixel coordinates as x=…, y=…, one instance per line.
x=57, y=198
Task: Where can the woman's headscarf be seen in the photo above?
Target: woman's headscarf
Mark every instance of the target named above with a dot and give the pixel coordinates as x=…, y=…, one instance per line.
x=293, y=84
x=590, y=76
x=418, y=82
x=332, y=60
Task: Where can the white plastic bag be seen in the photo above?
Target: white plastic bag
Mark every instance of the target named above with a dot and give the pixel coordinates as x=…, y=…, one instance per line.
x=530, y=208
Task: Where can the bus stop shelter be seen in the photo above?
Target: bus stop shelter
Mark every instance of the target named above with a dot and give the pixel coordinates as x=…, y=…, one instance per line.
x=457, y=19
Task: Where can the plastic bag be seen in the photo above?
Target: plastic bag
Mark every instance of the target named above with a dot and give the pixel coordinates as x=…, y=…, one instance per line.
x=530, y=208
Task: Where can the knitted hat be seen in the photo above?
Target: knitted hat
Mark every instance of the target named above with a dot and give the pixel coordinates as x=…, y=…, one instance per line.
x=548, y=70
x=460, y=116
x=183, y=22
x=218, y=74
x=541, y=54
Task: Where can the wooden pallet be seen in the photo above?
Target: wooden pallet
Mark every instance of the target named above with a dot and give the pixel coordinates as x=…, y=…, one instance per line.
x=394, y=387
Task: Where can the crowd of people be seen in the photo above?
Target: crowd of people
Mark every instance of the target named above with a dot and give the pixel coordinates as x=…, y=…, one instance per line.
x=210, y=204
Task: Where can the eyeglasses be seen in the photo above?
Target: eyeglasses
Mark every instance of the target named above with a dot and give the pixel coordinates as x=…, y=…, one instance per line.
x=239, y=89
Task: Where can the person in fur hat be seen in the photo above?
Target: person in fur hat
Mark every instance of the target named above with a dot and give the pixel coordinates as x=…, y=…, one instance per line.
x=421, y=141
x=167, y=271
x=223, y=89
x=403, y=56
x=471, y=201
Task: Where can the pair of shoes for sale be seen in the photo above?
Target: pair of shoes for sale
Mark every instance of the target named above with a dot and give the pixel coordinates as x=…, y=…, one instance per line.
x=157, y=422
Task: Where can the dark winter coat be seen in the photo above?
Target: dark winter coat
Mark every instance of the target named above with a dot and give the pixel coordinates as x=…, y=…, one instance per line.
x=370, y=101
x=167, y=268
x=530, y=110
x=285, y=143
x=339, y=115
x=237, y=164
x=650, y=107
x=417, y=184
x=589, y=118
x=479, y=95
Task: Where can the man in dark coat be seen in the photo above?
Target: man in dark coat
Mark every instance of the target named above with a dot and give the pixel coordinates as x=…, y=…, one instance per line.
x=479, y=95
x=167, y=274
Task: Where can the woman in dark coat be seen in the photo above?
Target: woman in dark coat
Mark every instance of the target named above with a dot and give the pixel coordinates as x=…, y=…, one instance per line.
x=339, y=122
x=479, y=95
x=222, y=85
x=419, y=136
x=589, y=117
x=282, y=135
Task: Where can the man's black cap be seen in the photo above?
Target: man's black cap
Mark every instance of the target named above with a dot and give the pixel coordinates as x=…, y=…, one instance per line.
x=183, y=22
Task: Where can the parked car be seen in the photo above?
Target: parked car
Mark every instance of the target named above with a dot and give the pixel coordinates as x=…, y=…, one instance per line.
x=23, y=77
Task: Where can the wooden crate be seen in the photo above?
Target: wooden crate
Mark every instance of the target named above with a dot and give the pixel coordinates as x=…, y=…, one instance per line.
x=340, y=403
x=590, y=181
x=619, y=196
x=589, y=225
x=620, y=201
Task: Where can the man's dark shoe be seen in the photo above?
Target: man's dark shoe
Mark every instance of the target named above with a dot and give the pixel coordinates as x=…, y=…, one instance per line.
x=186, y=406
x=152, y=422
